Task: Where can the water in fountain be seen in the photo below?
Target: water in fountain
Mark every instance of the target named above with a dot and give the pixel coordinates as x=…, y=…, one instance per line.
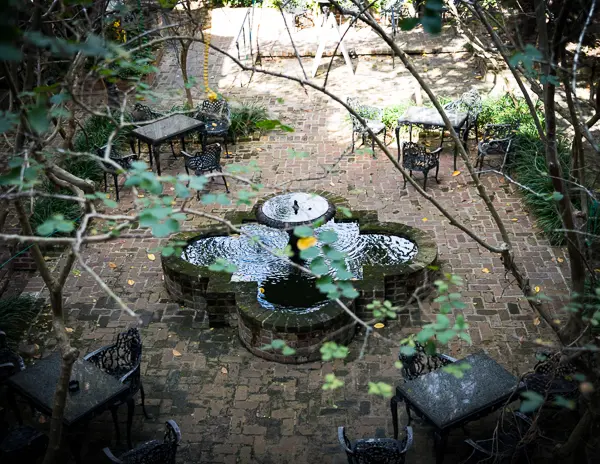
x=280, y=285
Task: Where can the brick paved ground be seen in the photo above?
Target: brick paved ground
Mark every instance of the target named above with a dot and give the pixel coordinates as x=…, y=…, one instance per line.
x=233, y=407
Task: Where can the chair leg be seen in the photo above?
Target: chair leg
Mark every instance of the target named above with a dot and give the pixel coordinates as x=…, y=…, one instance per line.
x=225, y=181
x=426, y=173
x=105, y=183
x=352, y=141
x=437, y=170
x=373, y=146
x=116, y=178
x=113, y=412
x=130, y=408
x=227, y=155
x=143, y=396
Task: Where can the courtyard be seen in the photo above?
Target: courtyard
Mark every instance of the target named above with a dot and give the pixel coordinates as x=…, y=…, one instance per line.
x=234, y=407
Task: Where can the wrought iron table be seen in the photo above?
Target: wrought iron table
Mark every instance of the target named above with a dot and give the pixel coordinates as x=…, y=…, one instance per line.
x=97, y=392
x=429, y=118
x=177, y=125
x=446, y=401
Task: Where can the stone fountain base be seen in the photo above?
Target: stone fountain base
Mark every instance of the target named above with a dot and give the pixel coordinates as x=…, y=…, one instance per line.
x=235, y=303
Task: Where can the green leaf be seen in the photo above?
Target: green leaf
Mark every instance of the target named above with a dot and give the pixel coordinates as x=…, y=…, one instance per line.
x=328, y=236
x=408, y=24
x=332, y=382
x=38, y=117
x=381, y=389
x=278, y=344
x=565, y=403
x=163, y=229
x=303, y=231
x=331, y=350
x=557, y=196
x=181, y=190
x=309, y=253
x=168, y=251
x=288, y=351
x=56, y=223
x=532, y=401
x=10, y=52
x=7, y=121
x=333, y=254
x=280, y=100
x=318, y=266
x=345, y=211
x=425, y=334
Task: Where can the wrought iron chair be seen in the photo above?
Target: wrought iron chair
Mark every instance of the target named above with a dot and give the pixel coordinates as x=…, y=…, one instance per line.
x=551, y=378
x=216, y=114
x=497, y=140
x=393, y=10
x=298, y=9
x=507, y=445
x=10, y=362
x=152, y=452
x=415, y=157
x=372, y=116
x=122, y=160
x=376, y=450
x=420, y=362
x=414, y=365
x=22, y=444
x=470, y=102
x=207, y=160
x=122, y=361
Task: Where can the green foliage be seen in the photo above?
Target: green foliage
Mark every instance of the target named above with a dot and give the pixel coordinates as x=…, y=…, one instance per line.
x=46, y=208
x=381, y=389
x=246, y=117
x=222, y=265
x=383, y=310
x=95, y=133
x=528, y=164
x=16, y=315
x=332, y=382
x=279, y=345
x=331, y=350
x=392, y=113
x=531, y=402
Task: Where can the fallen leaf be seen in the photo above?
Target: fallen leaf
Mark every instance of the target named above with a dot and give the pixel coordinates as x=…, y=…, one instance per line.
x=514, y=220
x=131, y=282
x=261, y=290
x=536, y=321
x=537, y=289
x=596, y=270
x=176, y=353
x=151, y=257
x=560, y=260
x=112, y=265
x=424, y=219
x=456, y=173
x=140, y=196
x=306, y=242
x=224, y=370
x=379, y=325
x=557, y=321
x=69, y=330
x=485, y=270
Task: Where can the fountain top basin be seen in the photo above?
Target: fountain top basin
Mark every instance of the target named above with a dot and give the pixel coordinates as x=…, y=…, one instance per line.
x=289, y=210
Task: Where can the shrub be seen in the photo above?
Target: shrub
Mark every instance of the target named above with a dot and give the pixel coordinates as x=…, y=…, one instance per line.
x=528, y=164
x=16, y=315
x=45, y=207
x=95, y=133
x=392, y=113
x=245, y=116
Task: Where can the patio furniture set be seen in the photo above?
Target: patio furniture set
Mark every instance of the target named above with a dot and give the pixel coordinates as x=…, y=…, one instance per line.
x=211, y=120
x=463, y=115
x=110, y=376
x=447, y=401
x=101, y=381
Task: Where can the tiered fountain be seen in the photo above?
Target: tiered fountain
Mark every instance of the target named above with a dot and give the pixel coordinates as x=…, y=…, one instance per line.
x=269, y=298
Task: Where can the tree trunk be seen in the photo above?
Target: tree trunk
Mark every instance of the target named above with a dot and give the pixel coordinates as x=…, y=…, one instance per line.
x=185, y=47
x=69, y=356
x=550, y=53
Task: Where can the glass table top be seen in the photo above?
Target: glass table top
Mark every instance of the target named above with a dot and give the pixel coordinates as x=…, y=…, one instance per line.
x=96, y=388
x=446, y=399
x=431, y=116
x=167, y=128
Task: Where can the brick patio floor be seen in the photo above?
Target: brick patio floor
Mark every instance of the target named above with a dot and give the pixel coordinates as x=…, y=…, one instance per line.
x=233, y=407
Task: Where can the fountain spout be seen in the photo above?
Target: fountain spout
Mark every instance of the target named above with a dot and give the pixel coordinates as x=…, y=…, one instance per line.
x=296, y=207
